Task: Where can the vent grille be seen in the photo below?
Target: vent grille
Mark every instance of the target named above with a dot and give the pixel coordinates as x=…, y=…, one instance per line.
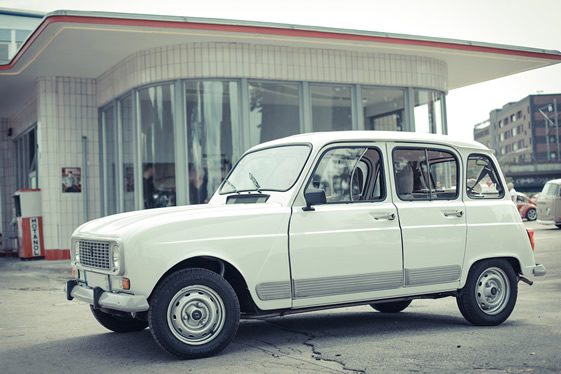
x=95, y=254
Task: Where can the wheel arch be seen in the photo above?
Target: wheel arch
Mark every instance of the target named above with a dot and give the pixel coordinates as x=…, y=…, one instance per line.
x=221, y=267
x=513, y=260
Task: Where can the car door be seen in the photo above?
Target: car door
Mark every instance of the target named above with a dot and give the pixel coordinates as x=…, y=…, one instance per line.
x=431, y=213
x=349, y=248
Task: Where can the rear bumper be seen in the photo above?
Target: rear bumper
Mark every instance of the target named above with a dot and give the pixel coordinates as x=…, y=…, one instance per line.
x=109, y=300
x=539, y=270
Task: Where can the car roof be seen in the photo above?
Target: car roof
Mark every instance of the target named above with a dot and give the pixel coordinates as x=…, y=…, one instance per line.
x=556, y=181
x=319, y=139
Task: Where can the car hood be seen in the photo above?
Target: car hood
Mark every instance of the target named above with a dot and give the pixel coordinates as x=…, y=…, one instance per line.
x=125, y=224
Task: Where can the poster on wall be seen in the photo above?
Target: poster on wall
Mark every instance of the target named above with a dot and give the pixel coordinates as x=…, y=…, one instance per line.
x=71, y=179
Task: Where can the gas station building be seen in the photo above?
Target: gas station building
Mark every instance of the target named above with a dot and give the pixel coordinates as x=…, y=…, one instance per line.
x=94, y=103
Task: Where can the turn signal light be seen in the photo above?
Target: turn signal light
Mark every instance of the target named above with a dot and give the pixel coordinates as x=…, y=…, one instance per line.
x=531, y=237
x=125, y=284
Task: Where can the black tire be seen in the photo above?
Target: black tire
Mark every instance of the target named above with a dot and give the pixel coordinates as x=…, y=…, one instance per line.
x=531, y=214
x=558, y=226
x=392, y=306
x=118, y=323
x=194, y=313
x=489, y=294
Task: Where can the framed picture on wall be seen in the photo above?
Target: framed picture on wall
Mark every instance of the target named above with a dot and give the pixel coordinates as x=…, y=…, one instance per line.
x=71, y=179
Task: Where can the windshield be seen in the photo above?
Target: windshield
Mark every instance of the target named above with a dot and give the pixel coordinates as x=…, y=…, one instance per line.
x=271, y=169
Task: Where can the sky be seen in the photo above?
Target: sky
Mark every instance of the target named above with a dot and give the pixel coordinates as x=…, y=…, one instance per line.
x=526, y=23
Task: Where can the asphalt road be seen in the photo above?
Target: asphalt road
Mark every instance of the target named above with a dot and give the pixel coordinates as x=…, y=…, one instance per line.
x=41, y=332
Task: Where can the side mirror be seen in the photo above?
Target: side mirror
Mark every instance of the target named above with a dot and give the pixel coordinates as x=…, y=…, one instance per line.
x=314, y=196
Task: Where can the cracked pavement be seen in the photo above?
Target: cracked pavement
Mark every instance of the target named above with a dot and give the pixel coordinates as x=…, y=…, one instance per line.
x=41, y=332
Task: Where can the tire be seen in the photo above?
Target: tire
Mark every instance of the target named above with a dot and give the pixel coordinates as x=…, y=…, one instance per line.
x=531, y=214
x=558, y=226
x=194, y=313
x=117, y=323
x=391, y=307
x=489, y=294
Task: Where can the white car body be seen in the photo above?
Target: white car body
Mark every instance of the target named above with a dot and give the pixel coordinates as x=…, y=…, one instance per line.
x=338, y=254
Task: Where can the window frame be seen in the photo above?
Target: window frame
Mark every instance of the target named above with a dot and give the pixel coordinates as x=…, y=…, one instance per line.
x=426, y=149
x=382, y=176
x=502, y=193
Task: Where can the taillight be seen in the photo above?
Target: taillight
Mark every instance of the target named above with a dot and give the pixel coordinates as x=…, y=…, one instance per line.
x=531, y=237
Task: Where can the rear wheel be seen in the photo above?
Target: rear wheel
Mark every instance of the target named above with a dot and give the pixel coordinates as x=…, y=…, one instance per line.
x=118, y=323
x=558, y=226
x=391, y=307
x=531, y=214
x=194, y=313
x=490, y=293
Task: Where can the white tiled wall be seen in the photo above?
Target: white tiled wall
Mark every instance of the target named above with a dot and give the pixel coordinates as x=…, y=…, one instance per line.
x=200, y=60
x=67, y=111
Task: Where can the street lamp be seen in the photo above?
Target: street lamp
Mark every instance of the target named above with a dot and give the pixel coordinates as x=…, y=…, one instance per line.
x=548, y=123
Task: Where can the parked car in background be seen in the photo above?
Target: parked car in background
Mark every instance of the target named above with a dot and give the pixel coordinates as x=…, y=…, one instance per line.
x=526, y=208
x=534, y=198
x=549, y=204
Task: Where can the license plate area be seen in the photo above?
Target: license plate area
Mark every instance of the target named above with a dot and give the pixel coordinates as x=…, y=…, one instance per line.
x=97, y=280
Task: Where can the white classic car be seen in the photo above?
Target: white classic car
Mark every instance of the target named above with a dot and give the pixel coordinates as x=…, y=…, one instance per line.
x=308, y=222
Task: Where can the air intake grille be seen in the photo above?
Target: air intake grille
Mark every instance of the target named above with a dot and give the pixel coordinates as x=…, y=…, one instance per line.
x=95, y=254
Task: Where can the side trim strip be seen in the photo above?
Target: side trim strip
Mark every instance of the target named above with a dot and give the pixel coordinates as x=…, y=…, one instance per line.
x=273, y=291
x=433, y=275
x=347, y=284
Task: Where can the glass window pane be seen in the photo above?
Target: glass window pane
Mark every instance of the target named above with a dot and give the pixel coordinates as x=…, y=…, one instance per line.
x=428, y=112
x=21, y=35
x=127, y=127
x=4, y=53
x=212, y=133
x=274, y=110
x=383, y=108
x=482, y=178
x=331, y=107
x=157, y=145
x=411, y=175
x=349, y=175
x=443, y=175
x=5, y=35
x=110, y=159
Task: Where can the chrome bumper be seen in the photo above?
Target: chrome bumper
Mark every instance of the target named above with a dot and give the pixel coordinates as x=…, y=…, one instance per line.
x=99, y=298
x=539, y=270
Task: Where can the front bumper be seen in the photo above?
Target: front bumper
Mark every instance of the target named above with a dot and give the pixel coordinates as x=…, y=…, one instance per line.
x=102, y=299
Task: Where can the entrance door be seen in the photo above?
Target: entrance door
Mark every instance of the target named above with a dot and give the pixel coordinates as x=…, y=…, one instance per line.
x=431, y=213
x=349, y=248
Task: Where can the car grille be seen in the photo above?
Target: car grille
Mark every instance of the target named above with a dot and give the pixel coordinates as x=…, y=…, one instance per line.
x=95, y=254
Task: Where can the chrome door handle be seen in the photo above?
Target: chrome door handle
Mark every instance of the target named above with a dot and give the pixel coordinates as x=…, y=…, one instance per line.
x=457, y=213
x=388, y=216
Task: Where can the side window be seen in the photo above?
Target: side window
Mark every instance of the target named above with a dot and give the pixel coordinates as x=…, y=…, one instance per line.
x=425, y=174
x=483, y=180
x=349, y=174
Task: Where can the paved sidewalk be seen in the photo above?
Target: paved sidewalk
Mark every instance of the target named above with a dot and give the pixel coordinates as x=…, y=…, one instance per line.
x=59, y=266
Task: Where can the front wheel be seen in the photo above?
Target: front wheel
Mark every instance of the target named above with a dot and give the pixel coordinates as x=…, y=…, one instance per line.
x=531, y=214
x=391, y=307
x=118, y=323
x=489, y=294
x=194, y=313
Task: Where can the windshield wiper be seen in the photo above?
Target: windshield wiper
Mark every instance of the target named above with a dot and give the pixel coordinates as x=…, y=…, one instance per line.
x=231, y=185
x=257, y=186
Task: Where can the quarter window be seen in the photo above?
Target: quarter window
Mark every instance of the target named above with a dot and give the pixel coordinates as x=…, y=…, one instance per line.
x=425, y=174
x=483, y=180
x=349, y=174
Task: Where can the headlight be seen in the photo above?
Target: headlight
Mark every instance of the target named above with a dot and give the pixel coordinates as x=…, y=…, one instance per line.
x=77, y=252
x=116, y=254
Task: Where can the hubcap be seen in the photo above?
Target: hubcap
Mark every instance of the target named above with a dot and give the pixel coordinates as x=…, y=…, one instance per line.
x=492, y=291
x=196, y=315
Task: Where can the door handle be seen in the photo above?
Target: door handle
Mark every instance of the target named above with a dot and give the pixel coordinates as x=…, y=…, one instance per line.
x=383, y=216
x=456, y=213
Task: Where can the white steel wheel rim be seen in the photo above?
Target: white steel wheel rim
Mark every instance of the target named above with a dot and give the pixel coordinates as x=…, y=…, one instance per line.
x=492, y=291
x=531, y=214
x=196, y=315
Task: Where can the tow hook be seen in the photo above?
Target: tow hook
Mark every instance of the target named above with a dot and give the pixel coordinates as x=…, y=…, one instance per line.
x=525, y=280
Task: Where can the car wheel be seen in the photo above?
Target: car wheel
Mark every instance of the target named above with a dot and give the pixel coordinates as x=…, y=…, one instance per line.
x=558, y=226
x=194, y=313
x=118, y=323
x=489, y=294
x=531, y=214
x=391, y=307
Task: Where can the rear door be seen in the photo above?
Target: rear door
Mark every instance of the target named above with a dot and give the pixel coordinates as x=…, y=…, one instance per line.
x=431, y=213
